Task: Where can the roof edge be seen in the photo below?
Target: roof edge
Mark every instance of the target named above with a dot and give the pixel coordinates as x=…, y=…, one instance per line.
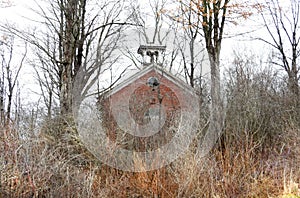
x=158, y=68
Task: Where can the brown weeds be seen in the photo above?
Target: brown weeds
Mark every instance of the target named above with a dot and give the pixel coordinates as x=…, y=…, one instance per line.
x=31, y=168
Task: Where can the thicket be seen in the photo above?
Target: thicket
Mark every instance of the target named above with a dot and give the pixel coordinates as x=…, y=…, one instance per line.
x=258, y=154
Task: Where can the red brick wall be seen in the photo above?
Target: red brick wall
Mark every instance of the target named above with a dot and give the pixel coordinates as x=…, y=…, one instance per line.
x=137, y=98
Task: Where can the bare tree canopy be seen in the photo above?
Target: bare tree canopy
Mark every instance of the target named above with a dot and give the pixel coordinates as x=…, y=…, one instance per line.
x=10, y=70
x=282, y=24
x=75, y=36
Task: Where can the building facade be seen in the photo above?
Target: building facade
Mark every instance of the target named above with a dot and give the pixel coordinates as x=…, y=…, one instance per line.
x=145, y=111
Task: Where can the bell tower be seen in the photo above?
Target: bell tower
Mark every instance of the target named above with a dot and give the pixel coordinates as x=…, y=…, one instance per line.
x=151, y=54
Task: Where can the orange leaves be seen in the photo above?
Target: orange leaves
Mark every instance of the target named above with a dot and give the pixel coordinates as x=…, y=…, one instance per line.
x=163, y=11
x=207, y=10
x=258, y=6
x=246, y=15
x=244, y=10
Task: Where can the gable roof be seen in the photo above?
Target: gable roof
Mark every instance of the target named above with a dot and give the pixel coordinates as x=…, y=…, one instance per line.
x=157, y=68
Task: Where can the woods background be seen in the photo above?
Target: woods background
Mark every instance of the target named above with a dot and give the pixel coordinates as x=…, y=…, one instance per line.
x=241, y=58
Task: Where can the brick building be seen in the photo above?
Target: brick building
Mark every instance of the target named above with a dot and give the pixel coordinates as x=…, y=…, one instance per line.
x=145, y=111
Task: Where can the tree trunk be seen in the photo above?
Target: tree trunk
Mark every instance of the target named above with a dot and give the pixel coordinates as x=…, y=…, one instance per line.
x=216, y=116
x=69, y=53
x=66, y=91
x=213, y=25
x=216, y=120
x=8, y=111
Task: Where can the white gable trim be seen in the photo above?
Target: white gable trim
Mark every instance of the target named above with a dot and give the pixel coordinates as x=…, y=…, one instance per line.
x=144, y=71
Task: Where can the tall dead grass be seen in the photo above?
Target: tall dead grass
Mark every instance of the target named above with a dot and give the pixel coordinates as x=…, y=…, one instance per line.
x=258, y=155
x=33, y=169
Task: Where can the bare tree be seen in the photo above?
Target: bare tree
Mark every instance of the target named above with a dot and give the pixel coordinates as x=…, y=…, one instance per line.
x=157, y=27
x=10, y=73
x=48, y=82
x=214, y=16
x=282, y=28
x=147, y=18
x=191, y=24
x=210, y=18
x=157, y=20
x=80, y=39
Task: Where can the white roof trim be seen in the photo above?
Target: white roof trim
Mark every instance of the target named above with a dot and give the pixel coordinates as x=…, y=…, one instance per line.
x=142, y=72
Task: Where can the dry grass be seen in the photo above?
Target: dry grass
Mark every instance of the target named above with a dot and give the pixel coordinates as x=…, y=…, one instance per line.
x=257, y=156
x=33, y=168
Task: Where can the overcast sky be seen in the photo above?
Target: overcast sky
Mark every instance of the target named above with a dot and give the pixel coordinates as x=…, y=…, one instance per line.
x=20, y=14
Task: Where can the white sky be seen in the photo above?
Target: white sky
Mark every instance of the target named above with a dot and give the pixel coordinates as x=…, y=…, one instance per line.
x=14, y=13
x=16, y=10
x=20, y=9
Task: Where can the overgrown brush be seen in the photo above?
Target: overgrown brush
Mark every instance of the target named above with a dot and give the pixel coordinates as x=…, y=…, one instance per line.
x=30, y=168
x=258, y=154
